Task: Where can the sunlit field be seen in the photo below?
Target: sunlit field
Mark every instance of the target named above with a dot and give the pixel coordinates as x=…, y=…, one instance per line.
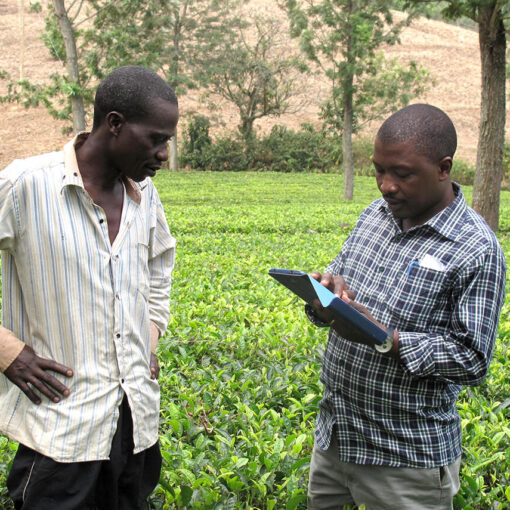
x=240, y=361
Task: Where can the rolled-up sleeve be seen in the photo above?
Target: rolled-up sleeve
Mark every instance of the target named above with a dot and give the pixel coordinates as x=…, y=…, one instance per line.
x=462, y=353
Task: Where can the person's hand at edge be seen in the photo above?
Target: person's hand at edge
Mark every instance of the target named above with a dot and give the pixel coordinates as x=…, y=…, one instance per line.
x=154, y=365
x=31, y=372
x=335, y=284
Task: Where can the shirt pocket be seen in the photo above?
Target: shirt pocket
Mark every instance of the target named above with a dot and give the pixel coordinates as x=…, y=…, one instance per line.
x=415, y=296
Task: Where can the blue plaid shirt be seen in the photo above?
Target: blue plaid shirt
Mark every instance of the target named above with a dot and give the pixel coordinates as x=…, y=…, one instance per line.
x=441, y=285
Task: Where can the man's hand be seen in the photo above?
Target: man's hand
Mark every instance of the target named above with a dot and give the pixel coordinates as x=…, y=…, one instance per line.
x=154, y=366
x=335, y=284
x=29, y=371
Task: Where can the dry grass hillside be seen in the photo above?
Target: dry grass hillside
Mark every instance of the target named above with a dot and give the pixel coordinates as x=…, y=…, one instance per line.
x=449, y=52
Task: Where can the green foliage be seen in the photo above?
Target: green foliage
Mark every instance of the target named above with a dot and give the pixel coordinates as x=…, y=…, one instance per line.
x=165, y=36
x=435, y=10
x=285, y=150
x=254, y=71
x=463, y=172
x=52, y=36
x=240, y=362
x=197, y=144
x=281, y=150
x=342, y=38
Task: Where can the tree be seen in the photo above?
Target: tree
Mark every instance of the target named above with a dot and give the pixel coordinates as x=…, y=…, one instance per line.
x=92, y=37
x=342, y=38
x=73, y=71
x=254, y=71
x=490, y=16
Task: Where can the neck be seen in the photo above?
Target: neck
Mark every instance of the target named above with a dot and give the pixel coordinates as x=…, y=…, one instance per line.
x=95, y=167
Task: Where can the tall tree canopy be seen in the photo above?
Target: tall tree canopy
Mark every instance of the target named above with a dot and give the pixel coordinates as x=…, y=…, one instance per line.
x=255, y=71
x=343, y=38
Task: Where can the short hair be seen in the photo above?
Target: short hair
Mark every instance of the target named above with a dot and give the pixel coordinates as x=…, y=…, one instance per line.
x=427, y=126
x=130, y=90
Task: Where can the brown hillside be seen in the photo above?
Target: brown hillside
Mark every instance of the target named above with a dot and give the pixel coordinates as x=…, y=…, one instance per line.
x=450, y=53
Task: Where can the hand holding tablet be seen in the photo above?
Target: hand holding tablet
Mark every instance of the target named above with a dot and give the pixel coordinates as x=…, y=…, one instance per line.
x=353, y=325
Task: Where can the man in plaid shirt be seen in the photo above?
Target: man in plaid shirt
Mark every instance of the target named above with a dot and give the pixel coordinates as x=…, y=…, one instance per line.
x=427, y=268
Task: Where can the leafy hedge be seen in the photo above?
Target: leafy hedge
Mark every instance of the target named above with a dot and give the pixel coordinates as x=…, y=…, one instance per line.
x=282, y=150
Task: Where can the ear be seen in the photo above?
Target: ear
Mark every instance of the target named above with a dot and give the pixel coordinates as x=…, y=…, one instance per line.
x=115, y=121
x=445, y=167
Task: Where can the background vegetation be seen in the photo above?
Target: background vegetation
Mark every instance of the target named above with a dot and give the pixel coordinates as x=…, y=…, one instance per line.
x=240, y=362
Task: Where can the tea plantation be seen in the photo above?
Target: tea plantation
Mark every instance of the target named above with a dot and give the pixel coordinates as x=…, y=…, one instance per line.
x=240, y=362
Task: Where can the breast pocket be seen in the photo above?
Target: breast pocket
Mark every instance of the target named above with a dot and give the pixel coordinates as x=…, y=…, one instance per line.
x=416, y=296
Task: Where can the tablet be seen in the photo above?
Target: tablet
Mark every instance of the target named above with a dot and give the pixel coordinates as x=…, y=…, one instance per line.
x=354, y=325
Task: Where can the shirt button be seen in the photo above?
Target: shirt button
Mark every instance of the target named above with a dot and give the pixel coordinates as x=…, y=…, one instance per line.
x=117, y=296
x=122, y=381
x=381, y=269
x=101, y=220
x=118, y=335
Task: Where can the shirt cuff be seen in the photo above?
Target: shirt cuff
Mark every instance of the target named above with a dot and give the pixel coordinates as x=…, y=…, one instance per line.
x=10, y=347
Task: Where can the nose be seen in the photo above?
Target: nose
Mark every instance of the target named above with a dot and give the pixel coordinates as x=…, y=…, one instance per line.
x=162, y=153
x=387, y=185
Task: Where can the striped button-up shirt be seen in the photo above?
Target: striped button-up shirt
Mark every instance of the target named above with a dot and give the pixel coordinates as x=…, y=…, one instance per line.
x=441, y=285
x=76, y=298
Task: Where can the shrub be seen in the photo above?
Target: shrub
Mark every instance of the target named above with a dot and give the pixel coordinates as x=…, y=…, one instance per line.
x=229, y=154
x=282, y=150
x=197, y=144
x=463, y=172
x=285, y=150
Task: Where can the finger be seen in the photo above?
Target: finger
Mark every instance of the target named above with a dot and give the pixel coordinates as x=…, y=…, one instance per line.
x=37, y=383
x=316, y=305
x=316, y=275
x=53, y=383
x=27, y=390
x=326, y=279
x=55, y=366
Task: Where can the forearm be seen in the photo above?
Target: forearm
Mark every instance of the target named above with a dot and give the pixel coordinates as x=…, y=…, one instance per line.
x=445, y=357
x=155, y=334
x=10, y=348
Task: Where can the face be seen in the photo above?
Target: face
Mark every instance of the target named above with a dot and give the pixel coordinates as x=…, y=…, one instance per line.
x=414, y=187
x=139, y=147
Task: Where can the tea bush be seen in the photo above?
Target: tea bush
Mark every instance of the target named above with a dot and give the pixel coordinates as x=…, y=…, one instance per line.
x=240, y=362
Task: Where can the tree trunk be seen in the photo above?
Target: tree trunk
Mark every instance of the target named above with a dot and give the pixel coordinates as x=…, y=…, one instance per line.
x=173, y=153
x=21, y=7
x=489, y=163
x=66, y=28
x=347, y=147
x=348, y=116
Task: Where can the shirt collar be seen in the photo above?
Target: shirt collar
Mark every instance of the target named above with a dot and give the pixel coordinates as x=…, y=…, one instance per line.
x=447, y=222
x=72, y=175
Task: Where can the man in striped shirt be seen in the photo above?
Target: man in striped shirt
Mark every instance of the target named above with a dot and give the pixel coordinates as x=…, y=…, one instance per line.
x=427, y=268
x=87, y=259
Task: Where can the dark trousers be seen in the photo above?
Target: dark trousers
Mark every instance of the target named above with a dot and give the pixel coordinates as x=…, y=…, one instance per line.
x=124, y=482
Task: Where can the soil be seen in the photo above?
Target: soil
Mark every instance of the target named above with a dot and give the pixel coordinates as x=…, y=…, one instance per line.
x=450, y=53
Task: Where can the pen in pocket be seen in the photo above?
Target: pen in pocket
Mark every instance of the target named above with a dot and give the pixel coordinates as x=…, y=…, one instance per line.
x=413, y=263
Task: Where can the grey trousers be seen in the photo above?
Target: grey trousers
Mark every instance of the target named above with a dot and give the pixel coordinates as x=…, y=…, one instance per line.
x=333, y=484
